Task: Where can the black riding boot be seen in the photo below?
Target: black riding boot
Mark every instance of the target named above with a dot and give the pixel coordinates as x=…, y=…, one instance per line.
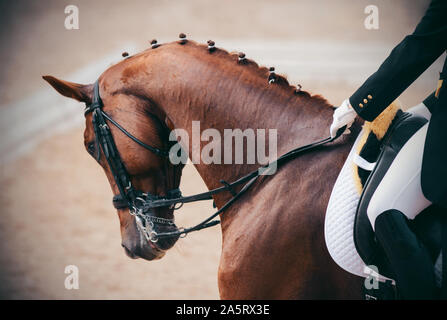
x=409, y=259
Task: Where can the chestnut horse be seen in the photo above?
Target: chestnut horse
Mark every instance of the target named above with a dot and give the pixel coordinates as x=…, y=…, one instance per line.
x=273, y=241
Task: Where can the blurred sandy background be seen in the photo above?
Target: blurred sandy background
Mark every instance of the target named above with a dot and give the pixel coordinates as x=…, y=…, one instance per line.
x=55, y=201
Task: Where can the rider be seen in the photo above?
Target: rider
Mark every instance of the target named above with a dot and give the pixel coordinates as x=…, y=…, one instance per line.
x=420, y=178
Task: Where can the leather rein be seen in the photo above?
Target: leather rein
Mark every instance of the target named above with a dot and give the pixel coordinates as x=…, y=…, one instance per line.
x=140, y=203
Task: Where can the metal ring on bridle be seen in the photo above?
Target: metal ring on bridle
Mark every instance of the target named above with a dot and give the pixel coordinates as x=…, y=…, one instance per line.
x=140, y=199
x=182, y=233
x=133, y=211
x=176, y=206
x=153, y=236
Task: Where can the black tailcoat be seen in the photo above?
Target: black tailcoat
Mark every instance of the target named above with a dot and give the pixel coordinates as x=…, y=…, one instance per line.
x=406, y=62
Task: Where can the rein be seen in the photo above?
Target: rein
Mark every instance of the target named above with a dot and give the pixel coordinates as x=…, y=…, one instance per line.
x=140, y=203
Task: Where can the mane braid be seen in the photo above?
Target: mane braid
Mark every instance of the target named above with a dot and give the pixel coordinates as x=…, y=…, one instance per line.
x=262, y=71
x=280, y=81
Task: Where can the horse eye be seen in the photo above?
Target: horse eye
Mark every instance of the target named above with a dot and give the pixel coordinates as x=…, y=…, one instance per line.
x=91, y=148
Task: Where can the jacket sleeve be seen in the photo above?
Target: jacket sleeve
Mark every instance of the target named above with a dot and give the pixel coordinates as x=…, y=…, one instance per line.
x=406, y=62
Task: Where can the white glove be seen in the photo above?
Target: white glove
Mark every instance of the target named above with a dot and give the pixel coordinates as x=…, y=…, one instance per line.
x=343, y=116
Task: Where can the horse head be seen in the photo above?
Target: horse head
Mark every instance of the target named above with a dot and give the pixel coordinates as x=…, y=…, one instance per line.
x=147, y=171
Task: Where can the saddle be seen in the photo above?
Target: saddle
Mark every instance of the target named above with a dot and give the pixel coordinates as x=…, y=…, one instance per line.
x=374, y=151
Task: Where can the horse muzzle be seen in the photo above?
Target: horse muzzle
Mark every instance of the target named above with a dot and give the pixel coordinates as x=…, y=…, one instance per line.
x=146, y=251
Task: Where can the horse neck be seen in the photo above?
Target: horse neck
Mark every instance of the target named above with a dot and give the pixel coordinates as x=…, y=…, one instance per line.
x=218, y=96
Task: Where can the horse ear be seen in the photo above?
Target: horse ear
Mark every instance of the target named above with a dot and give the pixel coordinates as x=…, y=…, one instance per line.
x=80, y=92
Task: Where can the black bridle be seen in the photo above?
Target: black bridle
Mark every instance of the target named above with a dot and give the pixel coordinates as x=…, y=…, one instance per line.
x=140, y=203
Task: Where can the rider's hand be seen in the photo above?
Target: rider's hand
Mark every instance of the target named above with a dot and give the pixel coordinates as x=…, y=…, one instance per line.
x=343, y=116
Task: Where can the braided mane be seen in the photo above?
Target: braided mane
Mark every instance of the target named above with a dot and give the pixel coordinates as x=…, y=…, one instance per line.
x=261, y=71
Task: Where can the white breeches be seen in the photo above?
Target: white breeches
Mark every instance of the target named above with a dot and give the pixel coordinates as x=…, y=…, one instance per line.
x=400, y=188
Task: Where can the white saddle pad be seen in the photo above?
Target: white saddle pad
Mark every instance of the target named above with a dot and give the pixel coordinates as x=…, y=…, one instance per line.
x=339, y=224
x=339, y=221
